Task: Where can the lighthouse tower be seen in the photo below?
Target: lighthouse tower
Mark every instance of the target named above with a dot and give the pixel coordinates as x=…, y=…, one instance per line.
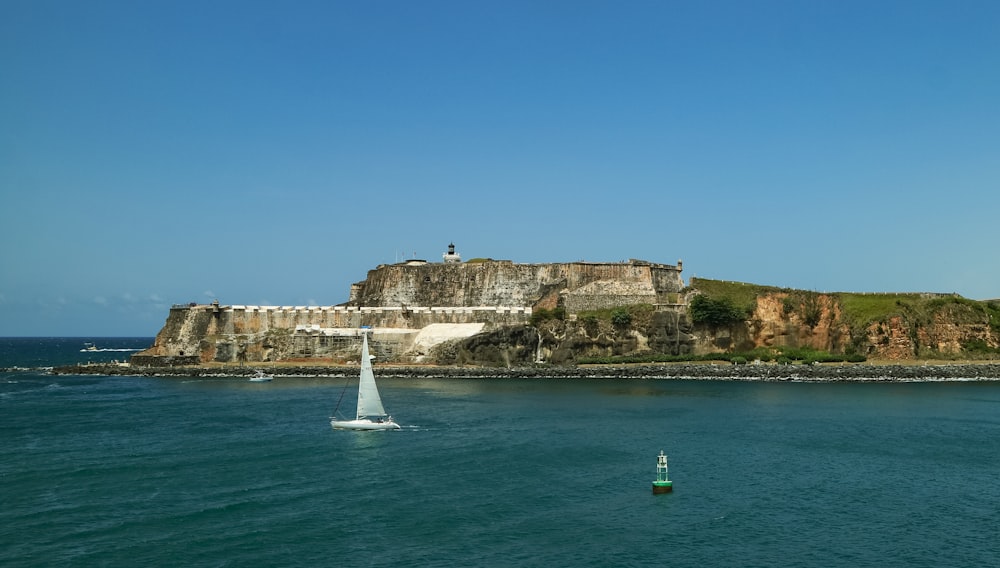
x=451, y=255
x=662, y=483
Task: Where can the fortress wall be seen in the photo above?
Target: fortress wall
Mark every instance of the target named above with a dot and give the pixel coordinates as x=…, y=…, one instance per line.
x=502, y=283
x=231, y=333
x=589, y=302
x=322, y=345
x=610, y=286
x=667, y=282
x=475, y=284
x=581, y=274
x=260, y=319
x=493, y=293
x=255, y=320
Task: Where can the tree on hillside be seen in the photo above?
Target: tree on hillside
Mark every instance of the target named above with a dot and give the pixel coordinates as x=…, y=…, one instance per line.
x=715, y=312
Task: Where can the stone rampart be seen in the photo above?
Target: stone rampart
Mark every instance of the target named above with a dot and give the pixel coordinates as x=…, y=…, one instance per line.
x=242, y=333
x=256, y=319
x=576, y=285
x=400, y=299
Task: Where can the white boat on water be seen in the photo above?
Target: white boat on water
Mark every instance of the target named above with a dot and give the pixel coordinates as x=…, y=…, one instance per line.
x=261, y=377
x=370, y=415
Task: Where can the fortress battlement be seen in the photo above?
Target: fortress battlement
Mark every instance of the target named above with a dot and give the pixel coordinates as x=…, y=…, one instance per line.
x=480, y=296
x=347, y=310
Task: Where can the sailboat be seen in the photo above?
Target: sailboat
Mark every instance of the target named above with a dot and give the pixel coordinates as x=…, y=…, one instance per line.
x=371, y=415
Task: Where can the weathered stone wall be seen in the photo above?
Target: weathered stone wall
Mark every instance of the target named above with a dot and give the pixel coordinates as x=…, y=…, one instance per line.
x=609, y=294
x=504, y=283
x=411, y=296
x=267, y=333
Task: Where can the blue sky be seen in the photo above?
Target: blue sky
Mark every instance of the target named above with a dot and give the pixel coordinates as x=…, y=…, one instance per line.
x=272, y=153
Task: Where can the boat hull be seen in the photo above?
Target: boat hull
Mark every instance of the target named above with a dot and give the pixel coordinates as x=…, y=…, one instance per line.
x=260, y=377
x=364, y=424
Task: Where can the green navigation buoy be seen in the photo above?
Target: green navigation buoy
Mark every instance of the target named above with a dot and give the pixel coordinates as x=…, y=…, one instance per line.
x=662, y=483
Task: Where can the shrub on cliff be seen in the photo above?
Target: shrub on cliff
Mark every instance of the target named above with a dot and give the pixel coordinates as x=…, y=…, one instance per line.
x=620, y=317
x=715, y=311
x=541, y=315
x=977, y=347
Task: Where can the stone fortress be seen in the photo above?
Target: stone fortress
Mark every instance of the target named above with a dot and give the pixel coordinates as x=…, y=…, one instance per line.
x=410, y=307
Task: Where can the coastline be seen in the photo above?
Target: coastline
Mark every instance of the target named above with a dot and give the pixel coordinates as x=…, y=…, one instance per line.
x=854, y=372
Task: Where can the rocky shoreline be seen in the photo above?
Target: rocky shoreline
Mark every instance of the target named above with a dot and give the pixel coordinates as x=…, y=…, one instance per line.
x=802, y=373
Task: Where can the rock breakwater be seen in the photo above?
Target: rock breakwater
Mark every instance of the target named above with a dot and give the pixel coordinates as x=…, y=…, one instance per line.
x=801, y=373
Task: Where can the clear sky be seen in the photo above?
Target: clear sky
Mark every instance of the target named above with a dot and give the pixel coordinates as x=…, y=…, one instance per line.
x=271, y=153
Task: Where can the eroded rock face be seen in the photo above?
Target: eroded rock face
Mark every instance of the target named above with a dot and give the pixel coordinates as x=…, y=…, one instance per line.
x=816, y=321
x=945, y=335
x=813, y=321
x=890, y=340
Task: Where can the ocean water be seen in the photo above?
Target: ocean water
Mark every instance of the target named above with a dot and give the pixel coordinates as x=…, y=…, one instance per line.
x=137, y=471
x=57, y=351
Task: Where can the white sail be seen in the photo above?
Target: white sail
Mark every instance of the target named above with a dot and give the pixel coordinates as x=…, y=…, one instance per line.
x=371, y=415
x=369, y=403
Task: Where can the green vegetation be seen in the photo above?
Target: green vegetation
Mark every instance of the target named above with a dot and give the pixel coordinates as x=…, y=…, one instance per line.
x=964, y=310
x=719, y=311
x=781, y=355
x=978, y=346
x=805, y=304
x=742, y=295
x=719, y=303
x=811, y=309
x=541, y=315
x=620, y=317
x=864, y=309
x=860, y=310
x=993, y=313
x=921, y=310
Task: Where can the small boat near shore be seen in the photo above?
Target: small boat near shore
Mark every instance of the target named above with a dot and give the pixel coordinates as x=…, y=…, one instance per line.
x=261, y=377
x=89, y=347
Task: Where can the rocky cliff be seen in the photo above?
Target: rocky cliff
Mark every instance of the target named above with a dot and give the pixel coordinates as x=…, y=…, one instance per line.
x=891, y=327
x=505, y=314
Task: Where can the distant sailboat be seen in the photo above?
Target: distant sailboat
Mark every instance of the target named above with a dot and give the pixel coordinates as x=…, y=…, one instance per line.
x=371, y=415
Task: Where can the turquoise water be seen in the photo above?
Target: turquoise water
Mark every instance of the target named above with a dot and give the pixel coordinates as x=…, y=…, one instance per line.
x=123, y=471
